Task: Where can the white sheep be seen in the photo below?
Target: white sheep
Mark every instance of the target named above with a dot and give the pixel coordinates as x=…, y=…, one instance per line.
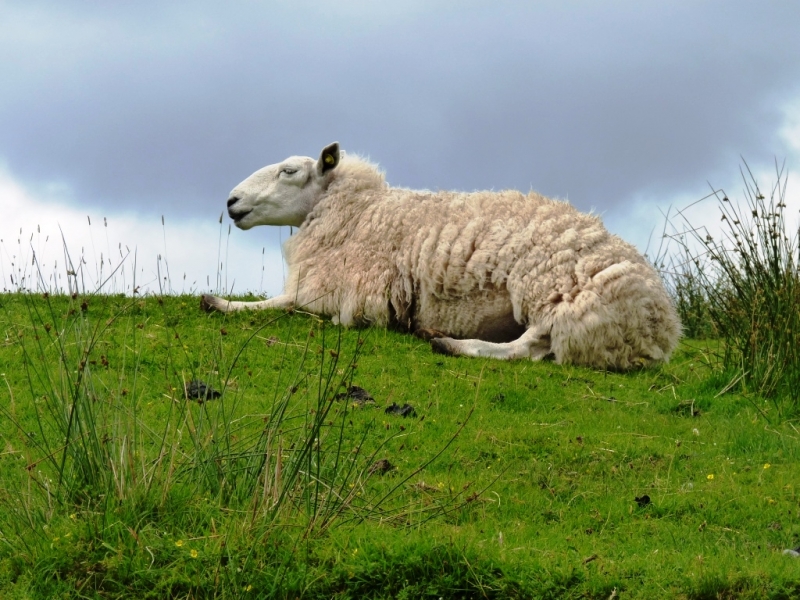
x=496, y=274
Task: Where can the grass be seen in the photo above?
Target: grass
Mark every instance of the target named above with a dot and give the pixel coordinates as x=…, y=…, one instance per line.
x=514, y=479
x=743, y=285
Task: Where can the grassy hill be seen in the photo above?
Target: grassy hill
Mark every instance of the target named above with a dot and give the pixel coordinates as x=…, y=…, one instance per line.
x=508, y=480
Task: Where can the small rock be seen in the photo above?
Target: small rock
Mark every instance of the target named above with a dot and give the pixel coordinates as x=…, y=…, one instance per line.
x=200, y=390
x=358, y=394
x=793, y=552
x=404, y=411
x=381, y=467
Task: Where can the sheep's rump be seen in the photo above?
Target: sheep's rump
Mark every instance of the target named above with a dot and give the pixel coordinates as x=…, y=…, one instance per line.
x=485, y=265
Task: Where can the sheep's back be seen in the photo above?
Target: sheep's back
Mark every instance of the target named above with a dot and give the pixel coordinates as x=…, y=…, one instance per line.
x=448, y=244
x=466, y=263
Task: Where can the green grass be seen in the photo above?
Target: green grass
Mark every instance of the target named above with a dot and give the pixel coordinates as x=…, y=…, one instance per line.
x=743, y=286
x=515, y=479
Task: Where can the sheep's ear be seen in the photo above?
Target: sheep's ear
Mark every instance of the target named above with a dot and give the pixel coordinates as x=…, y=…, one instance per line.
x=328, y=159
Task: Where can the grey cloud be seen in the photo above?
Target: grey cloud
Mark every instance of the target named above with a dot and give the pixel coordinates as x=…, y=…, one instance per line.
x=167, y=108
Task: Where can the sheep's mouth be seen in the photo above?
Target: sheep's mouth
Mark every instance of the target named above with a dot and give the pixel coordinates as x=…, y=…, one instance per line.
x=238, y=215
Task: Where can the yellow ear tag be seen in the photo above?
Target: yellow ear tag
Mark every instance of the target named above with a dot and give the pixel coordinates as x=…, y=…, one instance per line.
x=328, y=159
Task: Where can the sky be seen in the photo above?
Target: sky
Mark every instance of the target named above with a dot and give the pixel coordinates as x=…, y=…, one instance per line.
x=123, y=126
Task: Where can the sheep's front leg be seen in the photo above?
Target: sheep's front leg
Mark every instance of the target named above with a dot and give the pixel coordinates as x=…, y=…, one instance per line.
x=533, y=344
x=210, y=303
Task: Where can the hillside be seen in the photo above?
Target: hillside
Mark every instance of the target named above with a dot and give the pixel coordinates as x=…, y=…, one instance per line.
x=508, y=479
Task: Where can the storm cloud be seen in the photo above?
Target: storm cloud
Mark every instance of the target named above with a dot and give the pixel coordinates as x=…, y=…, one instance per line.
x=161, y=108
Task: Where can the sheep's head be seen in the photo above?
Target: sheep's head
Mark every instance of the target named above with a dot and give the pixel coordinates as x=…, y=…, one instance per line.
x=284, y=193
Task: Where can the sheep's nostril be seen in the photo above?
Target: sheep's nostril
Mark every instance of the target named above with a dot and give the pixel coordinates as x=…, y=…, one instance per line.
x=232, y=200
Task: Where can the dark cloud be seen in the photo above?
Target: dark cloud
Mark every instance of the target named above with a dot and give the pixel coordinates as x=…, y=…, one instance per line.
x=166, y=108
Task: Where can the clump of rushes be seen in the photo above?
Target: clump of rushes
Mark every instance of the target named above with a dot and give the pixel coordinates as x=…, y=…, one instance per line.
x=685, y=284
x=746, y=280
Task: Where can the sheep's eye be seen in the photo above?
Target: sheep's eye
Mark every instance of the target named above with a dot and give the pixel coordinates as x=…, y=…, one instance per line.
x=289, y=171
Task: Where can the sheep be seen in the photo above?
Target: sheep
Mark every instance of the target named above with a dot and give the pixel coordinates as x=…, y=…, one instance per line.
x=502, y=274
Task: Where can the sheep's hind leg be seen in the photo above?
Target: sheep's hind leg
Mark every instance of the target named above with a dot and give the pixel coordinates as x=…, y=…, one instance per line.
x=533, y=344
x=428, y=334
x=210, y=303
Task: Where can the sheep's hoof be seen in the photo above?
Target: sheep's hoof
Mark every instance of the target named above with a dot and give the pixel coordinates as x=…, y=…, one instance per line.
x=208, y=303
x=429, y=334
x=442, y=346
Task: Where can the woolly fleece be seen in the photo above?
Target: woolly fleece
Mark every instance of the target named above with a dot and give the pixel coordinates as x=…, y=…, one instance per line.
x=483, y=265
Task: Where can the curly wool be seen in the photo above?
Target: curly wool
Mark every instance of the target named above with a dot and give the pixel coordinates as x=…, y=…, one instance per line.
x=484, y=265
